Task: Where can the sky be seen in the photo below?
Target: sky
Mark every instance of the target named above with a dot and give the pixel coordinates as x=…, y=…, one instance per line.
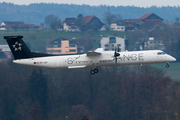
x=139, y=3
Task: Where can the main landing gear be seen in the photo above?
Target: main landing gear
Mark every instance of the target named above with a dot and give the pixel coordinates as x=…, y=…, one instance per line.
x=167, y=65
x=94, y=69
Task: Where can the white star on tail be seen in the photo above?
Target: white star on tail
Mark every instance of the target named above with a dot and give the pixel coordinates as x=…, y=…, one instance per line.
x=17, y=46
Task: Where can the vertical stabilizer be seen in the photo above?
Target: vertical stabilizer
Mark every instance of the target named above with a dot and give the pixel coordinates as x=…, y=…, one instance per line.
x=18, y=48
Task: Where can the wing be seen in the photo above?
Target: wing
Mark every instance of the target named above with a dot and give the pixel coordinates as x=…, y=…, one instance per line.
x=96, y=52
x=91, y=53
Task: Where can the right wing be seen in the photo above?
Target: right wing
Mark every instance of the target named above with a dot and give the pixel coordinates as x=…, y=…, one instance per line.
x=98, y=51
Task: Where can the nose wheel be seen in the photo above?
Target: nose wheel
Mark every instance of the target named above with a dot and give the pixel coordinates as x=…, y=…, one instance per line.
x=167, y=65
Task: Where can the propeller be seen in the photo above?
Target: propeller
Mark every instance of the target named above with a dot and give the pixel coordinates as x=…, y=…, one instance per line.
x=116, y=54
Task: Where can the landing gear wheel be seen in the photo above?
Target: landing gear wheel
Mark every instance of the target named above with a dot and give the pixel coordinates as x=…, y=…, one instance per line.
x=167, y=65
x=92, y=72
x=96, y=70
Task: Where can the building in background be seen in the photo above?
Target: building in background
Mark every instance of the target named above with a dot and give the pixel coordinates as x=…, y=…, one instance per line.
x=91, y=22
x=110, y=43
x=148, y=21
x=69, y=25
x=11, y=25
x=62, y=46
x=118, y=25
x=5, y=52
x=153, y=44
x=6, y=25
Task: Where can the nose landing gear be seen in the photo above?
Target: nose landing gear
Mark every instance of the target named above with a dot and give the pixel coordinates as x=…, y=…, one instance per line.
x=167, y=65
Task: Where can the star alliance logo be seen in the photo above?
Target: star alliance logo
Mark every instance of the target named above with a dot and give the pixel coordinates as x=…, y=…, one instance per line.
x=70, y=60
x=17, y=46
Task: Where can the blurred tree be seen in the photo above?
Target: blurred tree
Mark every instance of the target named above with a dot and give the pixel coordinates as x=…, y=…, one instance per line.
x=88, y=41
x=77, y=111
x=36, y=112
x=52, y=21
x=85, y=117
x=15, y=27
x=119, y=17
x=177, y=20
x=102, y=110
x=27, y=28
x=38, y=89
x=108, y=18
x=79, y=21
x=119, y=93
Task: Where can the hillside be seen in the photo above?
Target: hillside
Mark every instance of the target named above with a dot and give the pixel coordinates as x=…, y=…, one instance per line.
x=35, y=13
x=38, y=38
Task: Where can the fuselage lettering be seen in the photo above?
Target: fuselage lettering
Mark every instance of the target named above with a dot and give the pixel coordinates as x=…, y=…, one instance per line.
x=132, y=57
x=140, y=55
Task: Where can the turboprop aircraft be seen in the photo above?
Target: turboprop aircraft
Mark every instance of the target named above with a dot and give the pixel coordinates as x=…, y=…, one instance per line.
x=94, y=59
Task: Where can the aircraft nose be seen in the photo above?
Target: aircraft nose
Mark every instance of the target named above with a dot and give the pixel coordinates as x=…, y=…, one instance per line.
x=172, y=59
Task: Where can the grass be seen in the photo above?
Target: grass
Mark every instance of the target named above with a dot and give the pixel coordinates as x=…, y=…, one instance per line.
x=173, y=71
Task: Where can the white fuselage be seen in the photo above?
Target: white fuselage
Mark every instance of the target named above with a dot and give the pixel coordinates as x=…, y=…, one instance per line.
x=105, y=59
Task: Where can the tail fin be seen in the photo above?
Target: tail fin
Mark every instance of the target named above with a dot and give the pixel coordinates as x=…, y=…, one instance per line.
x=18, y=47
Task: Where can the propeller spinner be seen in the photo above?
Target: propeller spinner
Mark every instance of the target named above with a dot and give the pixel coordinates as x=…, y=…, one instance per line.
x=116, y=54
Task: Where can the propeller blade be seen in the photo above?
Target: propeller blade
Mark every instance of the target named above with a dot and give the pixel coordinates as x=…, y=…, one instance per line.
x=115, y=55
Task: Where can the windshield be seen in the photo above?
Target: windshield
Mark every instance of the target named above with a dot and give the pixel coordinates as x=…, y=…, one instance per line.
x=161, y=53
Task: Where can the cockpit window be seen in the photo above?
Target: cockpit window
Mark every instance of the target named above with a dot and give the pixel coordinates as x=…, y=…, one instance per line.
x=161, y=53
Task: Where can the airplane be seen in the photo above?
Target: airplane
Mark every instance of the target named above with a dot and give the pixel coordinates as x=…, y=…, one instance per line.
x=93, y=59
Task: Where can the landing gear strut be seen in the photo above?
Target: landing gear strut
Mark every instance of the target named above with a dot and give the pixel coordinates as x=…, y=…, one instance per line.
x=167, y=65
